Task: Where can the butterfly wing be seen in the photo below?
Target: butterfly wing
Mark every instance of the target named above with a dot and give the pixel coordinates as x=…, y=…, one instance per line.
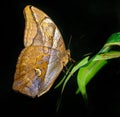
x=45, y=52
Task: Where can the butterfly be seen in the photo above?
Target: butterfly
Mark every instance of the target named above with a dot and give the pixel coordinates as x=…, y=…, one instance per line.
x=43, y=57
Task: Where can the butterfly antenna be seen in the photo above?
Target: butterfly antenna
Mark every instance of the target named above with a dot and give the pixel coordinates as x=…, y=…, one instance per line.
x=69, y=42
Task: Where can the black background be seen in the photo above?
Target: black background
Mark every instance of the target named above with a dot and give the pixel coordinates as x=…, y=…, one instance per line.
x=90, y=23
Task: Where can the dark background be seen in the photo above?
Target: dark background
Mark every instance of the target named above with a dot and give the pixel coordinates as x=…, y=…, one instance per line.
x=90, y=23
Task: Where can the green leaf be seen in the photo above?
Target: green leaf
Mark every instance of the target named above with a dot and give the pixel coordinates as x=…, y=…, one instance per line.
x=114, y=39
x=108, y=55
x=86, y=73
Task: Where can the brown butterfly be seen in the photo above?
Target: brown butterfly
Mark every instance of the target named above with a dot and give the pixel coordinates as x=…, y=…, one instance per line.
x=43, y=57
